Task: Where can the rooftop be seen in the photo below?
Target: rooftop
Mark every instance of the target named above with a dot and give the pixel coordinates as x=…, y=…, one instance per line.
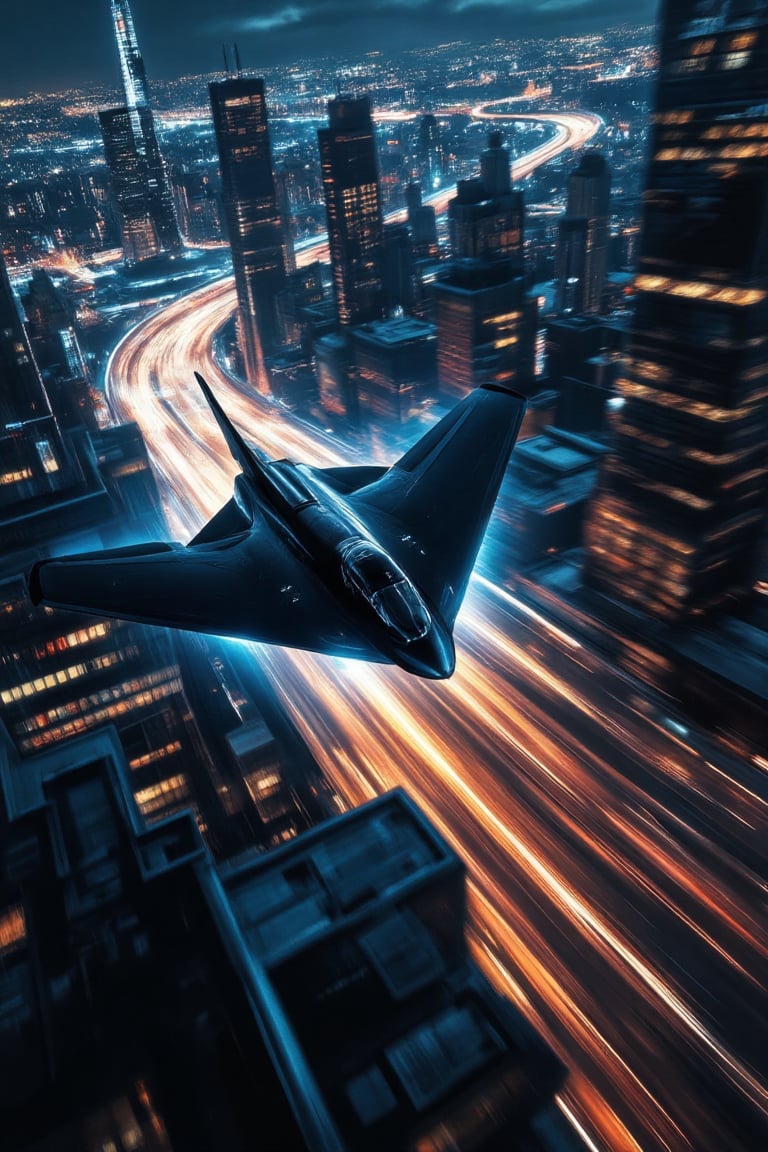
x=396, y=330
x=299, y=890
x=553, y=455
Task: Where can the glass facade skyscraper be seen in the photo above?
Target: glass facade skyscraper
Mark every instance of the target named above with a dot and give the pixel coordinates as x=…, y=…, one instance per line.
x=136, y=165
x=588, y=213
x=253, y=219
x=674, y=528
x=353, y=205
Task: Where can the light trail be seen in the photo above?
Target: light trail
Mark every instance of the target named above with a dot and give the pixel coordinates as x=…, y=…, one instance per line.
x=613, y=890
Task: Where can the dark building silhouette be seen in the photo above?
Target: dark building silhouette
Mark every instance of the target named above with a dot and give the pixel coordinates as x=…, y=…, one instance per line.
x=51, y=326
x=139, y=179
x=551, y=477
x=282, y=183
x=571, y=342
x=582, y=365
x=399, y=272
x=304, y=292
x=485, y=227
x=352, y=939
x=422, y=222
x=56, y=348
x=571, y=264
x=486, y=327
x=396, y=367
x=486, y=321
x=336, y=387
x=123, y=1022
x=495, y=166
x=430, y=151
x=252, y=216
x=33, y=460
x=353, y=205
x=582, y=260
x=486, y=217
x=198, y=205
x=674, y=529
x=320, y=998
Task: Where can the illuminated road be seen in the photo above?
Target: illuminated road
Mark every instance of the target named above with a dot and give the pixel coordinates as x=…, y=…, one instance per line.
x=617, y=866
x=571, y=130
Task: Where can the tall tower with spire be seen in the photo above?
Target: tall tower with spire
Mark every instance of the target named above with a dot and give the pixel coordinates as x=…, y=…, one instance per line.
x=133, y=155
x=131, y=61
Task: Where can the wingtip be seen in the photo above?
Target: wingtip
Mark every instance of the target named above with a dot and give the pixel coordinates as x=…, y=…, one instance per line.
x=207, y=391
x=34, y=584
x=492, y=386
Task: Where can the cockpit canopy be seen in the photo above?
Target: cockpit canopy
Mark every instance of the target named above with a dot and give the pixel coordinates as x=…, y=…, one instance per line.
x=376, y=577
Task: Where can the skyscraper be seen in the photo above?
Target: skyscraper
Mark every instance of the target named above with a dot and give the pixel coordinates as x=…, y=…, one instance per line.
x=252, y=215
x=422, y=223
x=485, y=227
x=430, y=151
x=486, y=322
x=32, y=456
x=486, y=327
x=399, y=277
x=495, y=171
x=133, y=155
x=571, y=264
x=682, y=498
x=56, y=348
x=589, y=196
x=353, y=205
x=486, y=217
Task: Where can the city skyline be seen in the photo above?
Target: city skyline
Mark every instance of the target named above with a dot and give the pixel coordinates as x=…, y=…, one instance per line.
x=42, y=49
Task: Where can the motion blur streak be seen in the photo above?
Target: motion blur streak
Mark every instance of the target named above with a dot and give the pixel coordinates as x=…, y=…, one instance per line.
x=617, y=890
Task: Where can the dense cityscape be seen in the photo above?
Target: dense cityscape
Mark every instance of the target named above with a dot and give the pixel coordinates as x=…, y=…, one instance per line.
x=252, y=896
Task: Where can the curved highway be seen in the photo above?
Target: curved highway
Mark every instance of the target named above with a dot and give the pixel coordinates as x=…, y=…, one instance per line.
x=617, y=869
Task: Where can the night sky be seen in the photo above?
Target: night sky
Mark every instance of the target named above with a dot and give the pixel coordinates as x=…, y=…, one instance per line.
x=48, y=44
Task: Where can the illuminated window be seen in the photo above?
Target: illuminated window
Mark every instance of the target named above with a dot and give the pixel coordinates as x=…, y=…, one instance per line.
x=16, y=477
x=735, y=60
x=156, y=754
x=173, y=790
x=742, y=41
x=47, y=458
x=701, y=290
x=13, y=928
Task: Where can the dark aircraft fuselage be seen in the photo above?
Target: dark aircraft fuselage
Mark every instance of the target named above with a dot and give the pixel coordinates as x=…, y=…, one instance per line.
x=383, y=601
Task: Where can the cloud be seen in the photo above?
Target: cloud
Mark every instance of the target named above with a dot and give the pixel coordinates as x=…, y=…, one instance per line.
x=281, y=18
x=563, y=5
x=310, y=26
x=465, y=5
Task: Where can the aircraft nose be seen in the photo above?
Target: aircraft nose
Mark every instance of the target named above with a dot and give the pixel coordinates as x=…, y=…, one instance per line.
x=440, y=661
x=446, y=665
x=433, y=657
